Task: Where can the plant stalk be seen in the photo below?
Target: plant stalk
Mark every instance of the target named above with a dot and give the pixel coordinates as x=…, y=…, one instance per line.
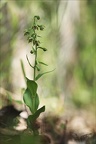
x=35, y=63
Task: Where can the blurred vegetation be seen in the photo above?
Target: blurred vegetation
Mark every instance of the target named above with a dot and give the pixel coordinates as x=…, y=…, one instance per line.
x=5, y=45
x=84, y=71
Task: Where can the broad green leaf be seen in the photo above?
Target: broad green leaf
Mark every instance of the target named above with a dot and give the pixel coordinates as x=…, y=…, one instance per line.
x=28, y=99
x=39, y=75
x=30, y=96
x=43, y=63
x=32, y=86
x=31, y=101
x=33, y=117
x=35, y=103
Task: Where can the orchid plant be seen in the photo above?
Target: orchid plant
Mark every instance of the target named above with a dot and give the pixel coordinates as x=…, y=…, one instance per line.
x=30, y=96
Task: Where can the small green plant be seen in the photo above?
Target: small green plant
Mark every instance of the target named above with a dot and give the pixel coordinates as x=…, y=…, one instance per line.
x=30, y=96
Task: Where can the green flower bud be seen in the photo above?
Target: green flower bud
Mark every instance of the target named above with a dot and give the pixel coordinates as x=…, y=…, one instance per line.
x=31, y=52
x=34, y=42
x=37, y=17
x=44, y=49
x=33, y=35
x=30, y=39
x=41, y=27
x=37, y=43
x=35, y=27
x=26, y=32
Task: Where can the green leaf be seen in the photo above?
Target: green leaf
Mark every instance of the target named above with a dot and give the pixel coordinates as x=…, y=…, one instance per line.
x=23, y=70
x=33, y=117
x=30, y=101
x=30, y=96
x=39, y=75
x=43, y=63
x=35, y=103
x=29, y=61
x=32, y=86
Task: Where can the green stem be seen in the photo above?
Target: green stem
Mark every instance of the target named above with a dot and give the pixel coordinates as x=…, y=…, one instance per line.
x=35, y=64
x=35, y=57
x=35, y=54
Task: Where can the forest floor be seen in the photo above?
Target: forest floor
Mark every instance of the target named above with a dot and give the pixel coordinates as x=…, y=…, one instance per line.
x=63, y=123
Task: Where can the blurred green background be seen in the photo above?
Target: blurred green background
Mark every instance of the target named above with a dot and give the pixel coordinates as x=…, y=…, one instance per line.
x=69, y=36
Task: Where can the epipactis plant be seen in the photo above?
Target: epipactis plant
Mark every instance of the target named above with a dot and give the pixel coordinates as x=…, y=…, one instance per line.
x=30, y=96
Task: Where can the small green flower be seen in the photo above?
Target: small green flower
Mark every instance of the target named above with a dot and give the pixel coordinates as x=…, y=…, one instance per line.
x=30, y=39
x=38, y=18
